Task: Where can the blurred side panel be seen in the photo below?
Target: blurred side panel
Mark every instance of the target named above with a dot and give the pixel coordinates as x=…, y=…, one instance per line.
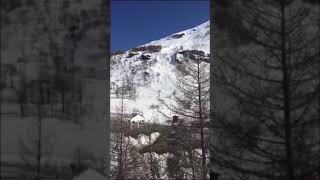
x=54, y=95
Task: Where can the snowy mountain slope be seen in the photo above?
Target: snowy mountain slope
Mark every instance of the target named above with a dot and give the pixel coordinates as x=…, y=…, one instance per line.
x=197, y=38
x=150, y=73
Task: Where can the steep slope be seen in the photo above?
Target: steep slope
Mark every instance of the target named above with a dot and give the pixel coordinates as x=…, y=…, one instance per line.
x=148, y=73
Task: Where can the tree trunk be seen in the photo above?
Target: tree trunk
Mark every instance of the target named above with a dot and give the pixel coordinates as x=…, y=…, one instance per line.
x=204, y=168
x=80, y=99
x=318, y=88
x=39, y=155
x=286, y=94
x=22, y=109
x=191, y=158
x=63, y=101
x=11, y=81
x=120, y=158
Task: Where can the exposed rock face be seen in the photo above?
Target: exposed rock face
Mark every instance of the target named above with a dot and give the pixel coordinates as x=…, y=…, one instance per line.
x=176, y=36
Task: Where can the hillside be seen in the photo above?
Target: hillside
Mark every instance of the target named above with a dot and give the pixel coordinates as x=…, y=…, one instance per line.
x=148, y=73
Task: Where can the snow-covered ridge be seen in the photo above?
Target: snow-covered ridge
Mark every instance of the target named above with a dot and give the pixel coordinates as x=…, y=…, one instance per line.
x=150, y=75
x=197, y=38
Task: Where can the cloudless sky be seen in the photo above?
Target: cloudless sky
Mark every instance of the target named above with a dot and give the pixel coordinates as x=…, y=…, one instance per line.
x=134, y=23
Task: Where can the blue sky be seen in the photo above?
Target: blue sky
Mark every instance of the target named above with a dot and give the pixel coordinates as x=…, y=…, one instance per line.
x=134, y=23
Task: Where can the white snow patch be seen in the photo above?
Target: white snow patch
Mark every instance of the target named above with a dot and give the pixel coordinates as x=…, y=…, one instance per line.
x=144, y=140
